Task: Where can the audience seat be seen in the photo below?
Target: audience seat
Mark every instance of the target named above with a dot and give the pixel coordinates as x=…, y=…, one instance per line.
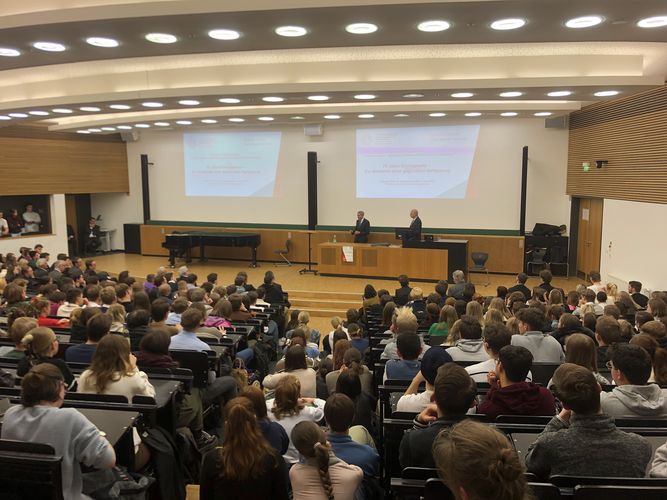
x=29, y=470
x=543, y=372
x=602, y=492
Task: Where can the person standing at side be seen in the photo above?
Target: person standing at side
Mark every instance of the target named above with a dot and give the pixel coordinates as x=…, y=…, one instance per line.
x=415, y=226
x=361, y=228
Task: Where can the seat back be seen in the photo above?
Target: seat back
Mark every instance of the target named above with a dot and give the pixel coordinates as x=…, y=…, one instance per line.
x=538, y=255
x=435, y=489
x=544, y=491
x=604, y=492
x=479, y=259
x=29, y=470
x=195, y=361
x=542, y=372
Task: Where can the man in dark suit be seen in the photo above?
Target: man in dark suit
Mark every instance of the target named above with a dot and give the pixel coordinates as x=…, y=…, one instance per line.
x=361, y=228
x=415, y=226
x=402, y=295
x=520, y=286
x=93, y=236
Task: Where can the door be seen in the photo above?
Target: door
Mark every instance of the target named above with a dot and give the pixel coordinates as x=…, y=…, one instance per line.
x=589, y=236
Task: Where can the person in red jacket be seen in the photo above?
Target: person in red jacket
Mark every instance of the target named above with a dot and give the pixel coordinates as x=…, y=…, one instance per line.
x=42, y=306
x=510, y=394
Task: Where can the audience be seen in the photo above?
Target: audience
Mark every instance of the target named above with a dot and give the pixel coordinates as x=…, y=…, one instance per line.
x=496, y=336
x=295, y=366
x=543, y=347
x=97, y=327
x=470, y=347
x=520, y=286
x=41, y=346
x=408, y=347
x=273, y=432
x=414, y=401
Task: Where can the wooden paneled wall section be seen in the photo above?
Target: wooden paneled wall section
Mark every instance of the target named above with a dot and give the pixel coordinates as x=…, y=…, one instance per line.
x=630, y=134
x=505, y=252
x=43, y=162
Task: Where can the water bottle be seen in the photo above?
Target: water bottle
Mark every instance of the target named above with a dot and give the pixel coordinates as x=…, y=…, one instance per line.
x=334, y=238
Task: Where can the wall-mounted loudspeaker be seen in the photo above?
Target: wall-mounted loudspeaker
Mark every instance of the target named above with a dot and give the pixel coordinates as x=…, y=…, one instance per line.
x=557, y=122
x=313, y=130
x=130, y=136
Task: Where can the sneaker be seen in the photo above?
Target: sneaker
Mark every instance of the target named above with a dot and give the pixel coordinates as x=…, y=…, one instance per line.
x=205, y=440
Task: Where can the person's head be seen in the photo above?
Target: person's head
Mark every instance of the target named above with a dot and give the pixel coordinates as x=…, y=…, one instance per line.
x=354, y=330
x=654, y=328
x=269, y=277
x=658, y=356
x=416, y=294
x=448, y=315
x=40, y=342
x=191, y=319
x=339, y=348
x=441, y=288
x=546, y=276
x=521, y=278
x=454, y=390
x=588, y=317
x=97, y=327
x=496, y=336
x=594, y=277
x=514, y=362
x=142, y=301
x=530, y=319
x=630, y=364
x=580, y=350
x=287, y=395
x=642, y=317
x=431, y=362
x=577, y=389
x=339, y=412
x=156, y=341
x=474, y=310
x=414, y=213
x=634, y=287
x=469, y=328
x=137, y=319
x=295, y=358
x=369, y=291
x=458, y=276
x=111, y=358
x=20, y=327
x=44, y=383
x=657, y=308
x=612, y=310
x=309, y=439
x=405, y=321
x=555, y=297
x=256, y=396
x=607, y=331
x=160, y=310
x=477, y=462
x=408, y=346
x=360, y=215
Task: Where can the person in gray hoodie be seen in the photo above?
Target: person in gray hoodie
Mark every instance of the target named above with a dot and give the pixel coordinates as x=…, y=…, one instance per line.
x=543, y=347
x=659, y=466
x=470, y=347
x=631, y=367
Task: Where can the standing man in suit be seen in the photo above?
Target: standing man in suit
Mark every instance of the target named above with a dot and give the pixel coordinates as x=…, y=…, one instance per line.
x=415, y=226
x=361, y=228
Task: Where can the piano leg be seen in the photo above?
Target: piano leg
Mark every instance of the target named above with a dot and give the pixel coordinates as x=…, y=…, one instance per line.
x=202, y=257
x=172, y=258
x=254, y=257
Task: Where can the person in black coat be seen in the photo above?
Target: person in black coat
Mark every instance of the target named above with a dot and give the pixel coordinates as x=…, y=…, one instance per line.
x=415, y=228
x=402, y=295
x=361, y=228
x=93, y=236
x=273, y=292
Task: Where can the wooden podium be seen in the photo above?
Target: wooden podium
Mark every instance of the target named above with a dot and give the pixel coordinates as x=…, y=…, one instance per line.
x=369, y=261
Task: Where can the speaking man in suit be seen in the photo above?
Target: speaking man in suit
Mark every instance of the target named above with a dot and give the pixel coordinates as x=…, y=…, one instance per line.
x=415, y=226
x=361, y=228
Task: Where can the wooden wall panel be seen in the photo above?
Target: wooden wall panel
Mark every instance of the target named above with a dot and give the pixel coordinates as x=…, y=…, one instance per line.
x=630, y=134
x=62, y=163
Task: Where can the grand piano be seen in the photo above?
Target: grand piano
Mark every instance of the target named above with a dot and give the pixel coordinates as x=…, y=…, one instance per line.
x=181, y=244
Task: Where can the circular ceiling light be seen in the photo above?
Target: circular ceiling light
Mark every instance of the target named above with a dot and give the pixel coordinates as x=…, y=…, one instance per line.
x=62, y=111
x=49, y=46
x=653, y=22
x=92, y=109
x=188, y=102
x=229, y=100
x=161, y=38
x=237, y=120
x=508, y=24
x=462, y=95
x=18, y=115
x=123, y=127
x=94, y=130
x=413, y=96
x=98, y=41
x=273, y=98
x=401, y=115
x=82, y=132
x=511, y=93
x=366, y=115
x=365, y=97
x=161, y=124
x=509, y=113
x=39, y=113
x=265, y=118
x=433, y=26
x=543, y=113
x=152, y=104
x=224, y=34
x=142, y=125
x=559, y=93
x=437, y=115
x=474, y=113
x=209, y=121
x=332, y=117
x=361, y=28
x=7, y=52
x=120, y=106
x=109, y=129
x=183, y=122
x=291, y=31
x=318, y=98
x=4, y=118
x=584, y=22
x=606, y=93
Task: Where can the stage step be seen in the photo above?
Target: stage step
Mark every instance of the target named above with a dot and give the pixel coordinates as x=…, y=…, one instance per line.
x=325, y=295
x=315, y=303
x=321, y=312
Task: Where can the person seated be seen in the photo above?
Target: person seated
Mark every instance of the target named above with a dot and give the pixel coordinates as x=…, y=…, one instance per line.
x=470, y=346
x=220, y=316
x=520, y=286
x=351, y=361
x=596, y=282
x=245, y=466
x=496, y=336
x=93, y=235
x=456, y=290
x=107, y=297
x=407, y=365
x=634, y=289
x=607, y=333
x=546, y=277
x=417, y=303
x=510, y=394
x=543, y=347
x=137, y=325
x=403, y=321
x=40, y=418
x=339, y=415
x=657, y=330
x=438, y=332
x=159, y=313
x=580, y=350
x=402, y=294
x=273, y=432
x=364, y=424
x=358, y=342
x=74, y=300
x=18, y=327
x=322, y=475
x=41, y=345
x=414, y=401
x=179, y=306
x=296, y=366
x=568, y=324
x=273, y=292
x=454, y=394
x=96, y=328
x=658, y=357
x=633, y=396
x=41, y=307
x=582, y=440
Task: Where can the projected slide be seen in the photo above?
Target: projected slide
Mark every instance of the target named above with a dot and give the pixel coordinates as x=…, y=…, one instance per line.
x=231, y=163
x=416, y=162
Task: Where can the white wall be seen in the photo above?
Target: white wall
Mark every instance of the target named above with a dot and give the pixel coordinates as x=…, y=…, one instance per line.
x=633, y=239
x=54, y=243
x=494, y=189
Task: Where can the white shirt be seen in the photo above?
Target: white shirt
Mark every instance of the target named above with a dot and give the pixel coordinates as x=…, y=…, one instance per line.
x=3, y=225
x=479, y=371
x=32, y=221
x=597, y=287
x=312, y=413
x=414, y=402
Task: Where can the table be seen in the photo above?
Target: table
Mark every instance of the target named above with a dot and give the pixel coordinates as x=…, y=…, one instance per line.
x=105, y=239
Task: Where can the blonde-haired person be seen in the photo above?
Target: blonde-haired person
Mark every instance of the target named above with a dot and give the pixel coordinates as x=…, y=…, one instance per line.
x=312, y=335
x=41, y=345
x=513, y=326
x=321, y=476
x=474, y=310
x=499, y=304
x=493, y=316
x=477, y=462
x=581, y=350
x=117, y=313
x=438, y=332
x=19, y=327
x=404, y=321
x=417, y=303
x=612, y=292
x=288, y=408
x=327, y=341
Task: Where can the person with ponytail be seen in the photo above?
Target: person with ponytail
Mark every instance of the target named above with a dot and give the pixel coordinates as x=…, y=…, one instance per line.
x=351, y=361
x=41, y=345
x=246, y=465
x=321, y=476
x=477, y=462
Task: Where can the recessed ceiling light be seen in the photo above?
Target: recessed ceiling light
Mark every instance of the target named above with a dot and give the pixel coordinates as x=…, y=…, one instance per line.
x=161, y=38
x=4, y=118
x=509, y=113
x=474, y=113
x=109, y=129
x=364, y=97
x=188, y=102
x=512, y=93
x=49, y=46
x=90, y=108
x=229, y=100
x=653, y=22
x=543, y=113
x=98, y=41
x=332, y=117
x=361, y=28
x=39, y=113
x=63, y=111
x=265, y=118
x=142, y=125
x=508, y=24
x=83, y=132
x=584, y=22
x=183, y=122
x=272, y=98
x=437, y=115
x=94, y=130
x=161, y=124
x=209, y=121
x=559, y=93
x=152, y=104
x=318, y=98
x=123, y=127
x=7, y=52
x=413, y=96
x=366, y=115
x=433, y=26
x=291, y=31
x=297, y=118
x=606, y=93
x=236, y=120
x=462, y=95
x=120, y=106
x=18, y=115
x=401, y=115
x=224, y=34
